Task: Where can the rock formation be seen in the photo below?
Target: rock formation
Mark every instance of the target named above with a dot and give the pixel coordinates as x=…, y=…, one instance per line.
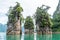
x=57, y=9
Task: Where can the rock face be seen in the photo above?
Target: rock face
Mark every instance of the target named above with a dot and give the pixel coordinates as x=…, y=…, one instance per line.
x=14, y=28
x=43, y=30
x=57, y=10
x=17, y=29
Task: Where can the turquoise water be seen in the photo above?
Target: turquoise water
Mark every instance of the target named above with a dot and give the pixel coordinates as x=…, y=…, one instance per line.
x=38, y=37
x=13, y=37
x=56, y=37
x=3, y=36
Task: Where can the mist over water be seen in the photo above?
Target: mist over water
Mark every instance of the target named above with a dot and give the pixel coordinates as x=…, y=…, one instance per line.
x=2, y=35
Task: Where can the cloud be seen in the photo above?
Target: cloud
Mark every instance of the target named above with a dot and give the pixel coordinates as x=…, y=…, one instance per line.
x=29, y=7
x=3, y=18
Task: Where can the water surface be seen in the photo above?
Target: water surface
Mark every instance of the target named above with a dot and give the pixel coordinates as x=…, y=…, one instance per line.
x=3, y=36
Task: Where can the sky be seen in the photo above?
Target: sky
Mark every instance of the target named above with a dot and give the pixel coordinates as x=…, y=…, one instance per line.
x=29, y=7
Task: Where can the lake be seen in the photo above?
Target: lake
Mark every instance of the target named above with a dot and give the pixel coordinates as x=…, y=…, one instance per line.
x=3, y=36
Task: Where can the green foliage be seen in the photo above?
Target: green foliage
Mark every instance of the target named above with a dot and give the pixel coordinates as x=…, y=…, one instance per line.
x=56, y=22
x=15, y=13
x=42, y=17
x=56, y=19
x=29, y=23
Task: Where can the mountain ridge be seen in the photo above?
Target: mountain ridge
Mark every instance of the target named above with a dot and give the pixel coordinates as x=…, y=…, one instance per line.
x=3, y=27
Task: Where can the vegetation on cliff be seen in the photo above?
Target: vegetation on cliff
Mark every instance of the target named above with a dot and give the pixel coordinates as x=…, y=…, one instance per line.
x=14, y=17
x=56, y=22
x=29, y=23
x=42, y=18
x=56, y=19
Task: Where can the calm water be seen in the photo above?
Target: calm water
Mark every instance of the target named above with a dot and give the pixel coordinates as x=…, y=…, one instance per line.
x=13, y=37
x=29, y=37
x=2, y=36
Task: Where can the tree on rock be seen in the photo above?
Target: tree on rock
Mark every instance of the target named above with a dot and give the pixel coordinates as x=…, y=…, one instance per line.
x=43, y=21
x=29, y=23
x=14, y=18
x=56, y=19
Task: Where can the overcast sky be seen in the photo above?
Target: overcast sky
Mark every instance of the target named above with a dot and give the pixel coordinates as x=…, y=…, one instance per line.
x=29, y=7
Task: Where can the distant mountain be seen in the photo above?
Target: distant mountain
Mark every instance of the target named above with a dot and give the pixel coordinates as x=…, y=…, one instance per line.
x=3, y=27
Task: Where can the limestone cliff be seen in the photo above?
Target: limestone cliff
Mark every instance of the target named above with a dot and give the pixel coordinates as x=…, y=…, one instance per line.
x=57, y=10
x=14, y=28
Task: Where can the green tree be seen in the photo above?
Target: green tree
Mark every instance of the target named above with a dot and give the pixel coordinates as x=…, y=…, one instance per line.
x=56, y=19
x=42, y=18
x=15, y=16
x=29, y=23
x=56, y=22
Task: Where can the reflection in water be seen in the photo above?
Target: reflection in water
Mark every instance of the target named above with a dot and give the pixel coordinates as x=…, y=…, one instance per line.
x=44, y=37
x=35, y=36
x=17, y=37
x=13, y=37
x=49, y=37
x=29, y=37
x=22, y=37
